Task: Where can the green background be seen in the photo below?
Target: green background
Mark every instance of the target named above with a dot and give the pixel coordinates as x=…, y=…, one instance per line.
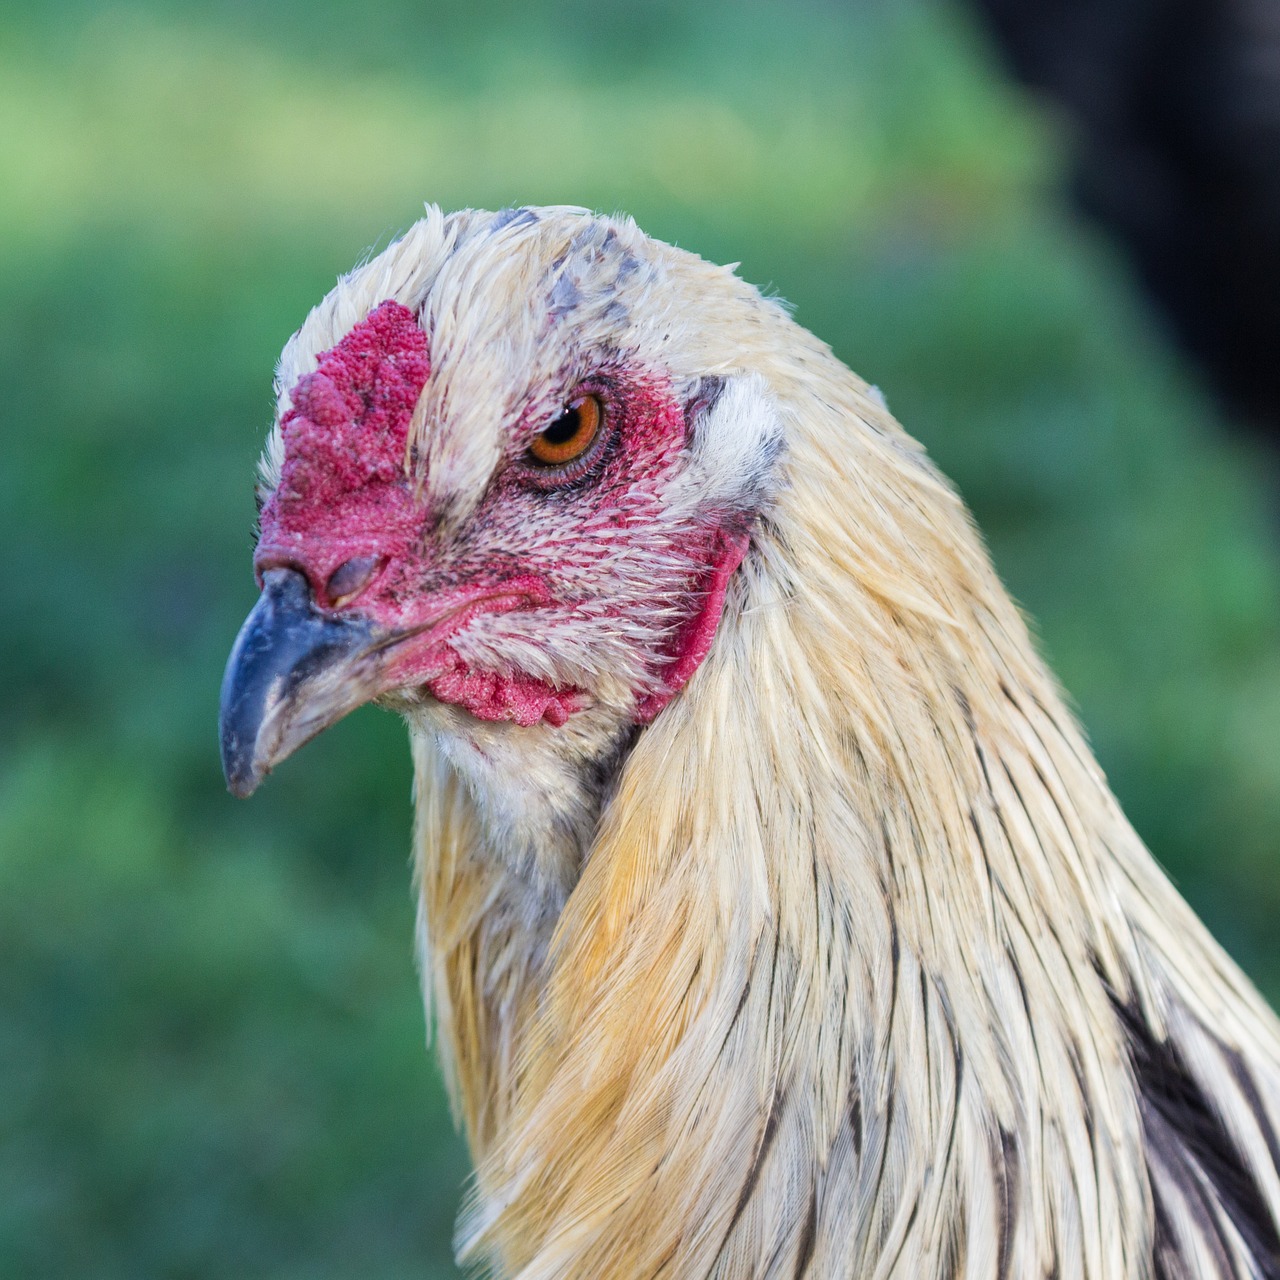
x=211, y=1042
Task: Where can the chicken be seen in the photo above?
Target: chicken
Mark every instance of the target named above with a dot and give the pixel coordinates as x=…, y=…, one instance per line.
x=776, y=918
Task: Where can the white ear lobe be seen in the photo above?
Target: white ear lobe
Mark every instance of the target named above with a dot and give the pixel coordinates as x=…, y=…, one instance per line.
x=735, y=442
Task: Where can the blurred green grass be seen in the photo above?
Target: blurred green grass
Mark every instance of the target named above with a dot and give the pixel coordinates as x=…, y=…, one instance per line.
x=211, y=1041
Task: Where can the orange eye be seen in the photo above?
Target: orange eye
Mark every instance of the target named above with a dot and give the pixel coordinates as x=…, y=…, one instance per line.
x=570, y=435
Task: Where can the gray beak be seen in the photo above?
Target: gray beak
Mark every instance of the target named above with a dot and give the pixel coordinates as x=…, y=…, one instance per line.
x=294, y=670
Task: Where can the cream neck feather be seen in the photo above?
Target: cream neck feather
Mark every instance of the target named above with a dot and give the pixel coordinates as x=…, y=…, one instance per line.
x=835, y=989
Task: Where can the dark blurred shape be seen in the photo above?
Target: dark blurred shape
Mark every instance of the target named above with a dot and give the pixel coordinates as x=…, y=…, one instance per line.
x=1175, y=107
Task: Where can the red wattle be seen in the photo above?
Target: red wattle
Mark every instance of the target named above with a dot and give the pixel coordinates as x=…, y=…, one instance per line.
x=521, y=699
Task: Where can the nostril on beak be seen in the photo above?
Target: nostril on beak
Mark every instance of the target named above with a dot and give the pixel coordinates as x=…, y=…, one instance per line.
x=350, y=578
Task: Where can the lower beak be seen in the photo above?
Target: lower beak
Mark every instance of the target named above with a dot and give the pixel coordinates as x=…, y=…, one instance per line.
x=294, y=670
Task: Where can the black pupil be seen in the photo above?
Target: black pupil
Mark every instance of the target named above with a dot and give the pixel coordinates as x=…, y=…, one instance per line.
x=564, y=428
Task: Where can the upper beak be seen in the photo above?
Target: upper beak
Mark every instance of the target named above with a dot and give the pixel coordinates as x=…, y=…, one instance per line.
x=294, y=670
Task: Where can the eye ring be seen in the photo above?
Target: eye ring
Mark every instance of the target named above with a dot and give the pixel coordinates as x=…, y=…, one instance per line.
x=567, y=438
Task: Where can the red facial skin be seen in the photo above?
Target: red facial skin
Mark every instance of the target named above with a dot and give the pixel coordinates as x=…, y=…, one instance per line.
x=537, y=542
x=692, y=641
